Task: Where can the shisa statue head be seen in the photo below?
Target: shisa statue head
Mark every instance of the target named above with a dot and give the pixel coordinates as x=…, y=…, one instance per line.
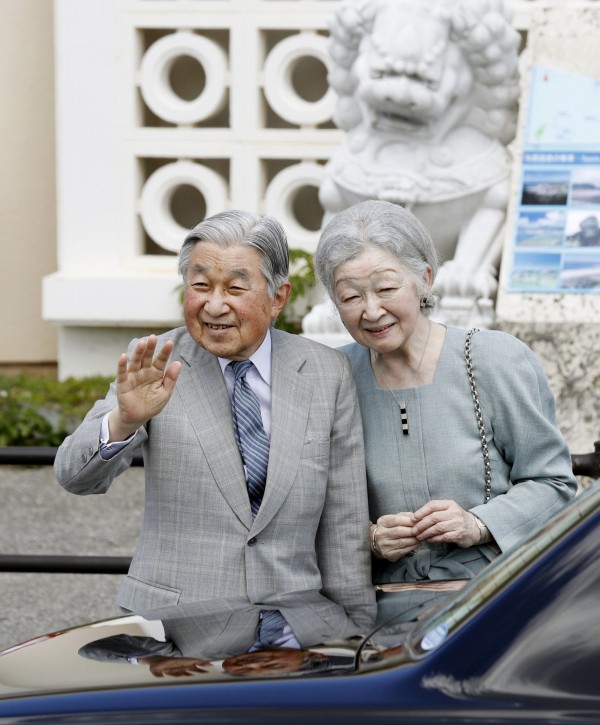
x=419, y=64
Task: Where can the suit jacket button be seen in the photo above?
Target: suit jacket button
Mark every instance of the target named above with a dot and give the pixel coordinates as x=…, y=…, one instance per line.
x=252, y=541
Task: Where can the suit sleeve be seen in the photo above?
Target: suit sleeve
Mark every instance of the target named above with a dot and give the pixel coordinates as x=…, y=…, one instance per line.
x=78, y=465
x=342, y=540
x=120, y=647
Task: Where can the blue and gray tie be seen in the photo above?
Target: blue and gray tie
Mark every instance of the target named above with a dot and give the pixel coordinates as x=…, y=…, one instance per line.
x=254, y=449
x=252, y=439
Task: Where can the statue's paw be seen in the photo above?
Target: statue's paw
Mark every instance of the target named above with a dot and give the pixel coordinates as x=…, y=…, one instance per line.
x=402, y=196
x=485, y=283
x=322, y=318
x=458, y=281
x=451, y=280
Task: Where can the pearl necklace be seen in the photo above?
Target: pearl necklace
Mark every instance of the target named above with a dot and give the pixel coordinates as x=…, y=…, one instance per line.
x=402, y=404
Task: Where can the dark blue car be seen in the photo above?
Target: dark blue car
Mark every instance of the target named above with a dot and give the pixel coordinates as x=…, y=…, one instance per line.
x=518, y=644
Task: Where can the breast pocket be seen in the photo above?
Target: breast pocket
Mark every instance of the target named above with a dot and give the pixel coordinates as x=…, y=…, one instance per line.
x=315, y=448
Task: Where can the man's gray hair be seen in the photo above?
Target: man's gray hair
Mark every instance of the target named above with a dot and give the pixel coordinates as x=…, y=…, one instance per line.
x=383, y=225
x=241, y=228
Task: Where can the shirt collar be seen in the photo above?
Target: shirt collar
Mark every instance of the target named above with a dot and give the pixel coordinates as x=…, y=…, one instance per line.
x=261, y=359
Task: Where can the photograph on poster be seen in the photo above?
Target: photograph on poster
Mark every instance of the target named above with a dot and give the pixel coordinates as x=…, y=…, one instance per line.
x=547, y=186
x=556, y=239
x=541, y=228
x=583, y=228
x=535, y=271
x=585, y=187
x=581, y=270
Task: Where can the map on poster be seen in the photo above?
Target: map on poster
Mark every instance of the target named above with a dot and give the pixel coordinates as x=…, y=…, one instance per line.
x=556, y=243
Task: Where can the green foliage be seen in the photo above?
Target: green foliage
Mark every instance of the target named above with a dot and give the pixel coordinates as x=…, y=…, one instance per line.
x=303, y=280
x=42, y=411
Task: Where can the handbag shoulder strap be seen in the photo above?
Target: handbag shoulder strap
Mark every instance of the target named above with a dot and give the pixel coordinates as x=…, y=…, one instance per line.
x=487, y=467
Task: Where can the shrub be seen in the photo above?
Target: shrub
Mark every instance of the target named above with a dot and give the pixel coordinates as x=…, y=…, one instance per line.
x=42, y=411
x=303, y=280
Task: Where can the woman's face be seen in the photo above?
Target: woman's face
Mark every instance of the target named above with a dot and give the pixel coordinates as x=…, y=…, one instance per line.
x=377, y=300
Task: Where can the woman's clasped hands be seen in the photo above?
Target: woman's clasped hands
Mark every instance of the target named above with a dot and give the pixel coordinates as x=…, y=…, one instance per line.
x=439, y=521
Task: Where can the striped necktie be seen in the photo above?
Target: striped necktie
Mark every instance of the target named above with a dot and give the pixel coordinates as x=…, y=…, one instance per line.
x=254, y=449
x=251, y=437
x=270, y=628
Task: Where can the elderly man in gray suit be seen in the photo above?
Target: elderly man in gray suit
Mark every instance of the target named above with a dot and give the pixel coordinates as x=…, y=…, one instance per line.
x=213, y=527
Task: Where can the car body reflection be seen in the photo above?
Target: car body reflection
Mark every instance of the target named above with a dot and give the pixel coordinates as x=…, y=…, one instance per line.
x=520, y=643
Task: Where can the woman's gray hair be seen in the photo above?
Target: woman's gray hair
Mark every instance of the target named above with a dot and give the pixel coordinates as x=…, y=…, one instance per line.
x=380, y=224
x=241, y=228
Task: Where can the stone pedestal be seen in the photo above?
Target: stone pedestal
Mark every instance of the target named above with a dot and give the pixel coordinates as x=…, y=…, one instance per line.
x=569, y=354
x=562, y=329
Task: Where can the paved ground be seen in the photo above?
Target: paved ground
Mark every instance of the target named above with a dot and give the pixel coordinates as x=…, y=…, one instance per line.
x=38, y=517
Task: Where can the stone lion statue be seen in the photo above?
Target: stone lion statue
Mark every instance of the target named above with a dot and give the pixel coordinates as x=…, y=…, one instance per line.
x=428, y=93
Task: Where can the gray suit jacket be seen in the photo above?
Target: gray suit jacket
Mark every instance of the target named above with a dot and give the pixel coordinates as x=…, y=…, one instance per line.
x=198, y=540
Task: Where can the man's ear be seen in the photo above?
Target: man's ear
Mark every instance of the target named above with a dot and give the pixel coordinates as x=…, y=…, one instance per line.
x=428, y=276
x=280, y=298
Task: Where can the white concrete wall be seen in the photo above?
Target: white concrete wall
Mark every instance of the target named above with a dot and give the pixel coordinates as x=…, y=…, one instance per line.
x=127, y=145
x=107, y=288
x=27, y=187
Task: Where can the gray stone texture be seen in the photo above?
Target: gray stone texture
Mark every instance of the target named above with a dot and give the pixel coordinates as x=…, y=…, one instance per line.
x=569, y=354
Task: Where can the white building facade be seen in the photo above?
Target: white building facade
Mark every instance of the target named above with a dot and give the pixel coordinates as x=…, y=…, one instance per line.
x=168, y=111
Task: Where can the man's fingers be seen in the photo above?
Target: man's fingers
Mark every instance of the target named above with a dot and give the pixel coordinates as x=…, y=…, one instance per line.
x=137, y=356
x=162, y=356
x=148, y=354
x=143, y=358
x=122, y=365
x=171, y=375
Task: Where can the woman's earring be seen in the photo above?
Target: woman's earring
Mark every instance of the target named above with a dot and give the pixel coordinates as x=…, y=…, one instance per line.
x=423, y=302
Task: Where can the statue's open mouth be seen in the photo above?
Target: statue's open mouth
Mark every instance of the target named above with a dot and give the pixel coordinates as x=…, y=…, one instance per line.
x=386, y=120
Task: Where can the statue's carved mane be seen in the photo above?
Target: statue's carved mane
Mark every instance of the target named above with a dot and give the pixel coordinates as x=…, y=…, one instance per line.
x=428, y=94
x=481, y=29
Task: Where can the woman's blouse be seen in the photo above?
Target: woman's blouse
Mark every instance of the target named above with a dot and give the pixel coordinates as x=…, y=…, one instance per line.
x=442, y=458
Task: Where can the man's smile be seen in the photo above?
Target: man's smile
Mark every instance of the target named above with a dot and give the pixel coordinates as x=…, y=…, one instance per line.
x=217, y=327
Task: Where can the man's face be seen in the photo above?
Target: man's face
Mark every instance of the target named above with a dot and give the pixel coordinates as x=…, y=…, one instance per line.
x=270, y=661
x=226, y=304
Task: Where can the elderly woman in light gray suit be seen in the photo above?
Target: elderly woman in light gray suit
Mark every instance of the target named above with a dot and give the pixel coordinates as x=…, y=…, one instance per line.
x=446, y=493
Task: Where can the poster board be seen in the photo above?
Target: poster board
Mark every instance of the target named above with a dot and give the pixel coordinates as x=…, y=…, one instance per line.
x=551, y=258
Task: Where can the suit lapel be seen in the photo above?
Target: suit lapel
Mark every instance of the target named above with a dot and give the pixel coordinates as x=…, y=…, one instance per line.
x=203, y=394
x=290, y=406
